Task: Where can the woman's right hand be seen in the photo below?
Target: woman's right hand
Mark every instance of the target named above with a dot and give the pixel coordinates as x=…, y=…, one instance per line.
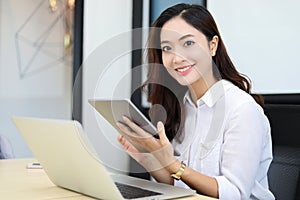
x=147, y=160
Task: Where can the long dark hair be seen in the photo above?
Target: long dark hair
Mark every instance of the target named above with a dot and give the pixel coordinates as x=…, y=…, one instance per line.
x=162, y=88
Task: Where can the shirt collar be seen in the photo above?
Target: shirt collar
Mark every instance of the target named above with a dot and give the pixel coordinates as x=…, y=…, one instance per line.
x=212, y=95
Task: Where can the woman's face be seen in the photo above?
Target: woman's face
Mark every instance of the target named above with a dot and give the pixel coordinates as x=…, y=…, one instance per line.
x=186, y=53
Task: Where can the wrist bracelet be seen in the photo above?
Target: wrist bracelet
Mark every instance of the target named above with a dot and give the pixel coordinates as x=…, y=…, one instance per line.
x=177, y=175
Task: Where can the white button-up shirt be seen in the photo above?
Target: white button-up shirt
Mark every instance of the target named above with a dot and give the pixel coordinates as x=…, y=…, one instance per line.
x=227, y=136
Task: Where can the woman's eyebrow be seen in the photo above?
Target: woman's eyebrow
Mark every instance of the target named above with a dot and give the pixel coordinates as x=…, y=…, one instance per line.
x=185, y=36
x=181, y=38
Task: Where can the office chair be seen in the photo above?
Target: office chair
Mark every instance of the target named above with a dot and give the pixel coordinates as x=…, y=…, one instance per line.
x=284, y=173
x=5, y=148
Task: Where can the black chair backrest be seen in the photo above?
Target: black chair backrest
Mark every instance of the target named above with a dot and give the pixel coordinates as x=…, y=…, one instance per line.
x=284, y=172
x=284, y=176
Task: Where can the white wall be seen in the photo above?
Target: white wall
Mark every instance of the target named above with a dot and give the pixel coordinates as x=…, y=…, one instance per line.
x=34, y=80
x=46, y=90
x=262, y=38
x=106, y=71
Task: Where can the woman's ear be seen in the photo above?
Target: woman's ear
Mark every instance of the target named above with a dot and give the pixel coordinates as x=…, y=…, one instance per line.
x=213, y=44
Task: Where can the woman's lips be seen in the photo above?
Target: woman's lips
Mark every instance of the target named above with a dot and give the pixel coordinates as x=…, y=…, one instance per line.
x=184, y=69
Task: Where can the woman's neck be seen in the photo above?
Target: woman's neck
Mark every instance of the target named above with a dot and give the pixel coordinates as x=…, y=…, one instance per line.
x=199, y=88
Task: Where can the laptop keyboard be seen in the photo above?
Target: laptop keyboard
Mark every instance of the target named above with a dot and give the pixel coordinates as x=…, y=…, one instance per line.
x=131, y=192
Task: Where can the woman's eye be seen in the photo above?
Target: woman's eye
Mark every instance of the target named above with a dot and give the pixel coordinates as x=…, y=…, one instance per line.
x=166, y=48
x=189, y=43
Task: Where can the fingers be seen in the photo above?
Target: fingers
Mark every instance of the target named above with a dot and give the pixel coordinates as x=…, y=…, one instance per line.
x=132, y=129
x=126, y=129
x=147, y=160
x=120, y=138
x=144, y=139
x=123, y=142
x=161, y=133
x=128, y=147
x=137, y=129
x=159, y=149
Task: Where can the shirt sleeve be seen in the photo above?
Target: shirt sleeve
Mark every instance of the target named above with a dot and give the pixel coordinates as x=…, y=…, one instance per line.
x=241, y=151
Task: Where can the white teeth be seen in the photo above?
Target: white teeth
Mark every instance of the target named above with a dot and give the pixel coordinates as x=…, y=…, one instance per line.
x=183, y=69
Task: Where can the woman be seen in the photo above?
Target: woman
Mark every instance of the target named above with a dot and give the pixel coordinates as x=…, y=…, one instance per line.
x=217, y=126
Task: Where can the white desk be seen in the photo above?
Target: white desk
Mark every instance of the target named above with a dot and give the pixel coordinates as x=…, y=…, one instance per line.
x=17, y=182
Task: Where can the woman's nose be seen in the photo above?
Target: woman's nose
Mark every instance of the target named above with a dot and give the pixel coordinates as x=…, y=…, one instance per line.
x=177, y=58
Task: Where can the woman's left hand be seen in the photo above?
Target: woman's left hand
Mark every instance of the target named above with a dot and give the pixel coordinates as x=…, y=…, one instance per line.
x=161, y=148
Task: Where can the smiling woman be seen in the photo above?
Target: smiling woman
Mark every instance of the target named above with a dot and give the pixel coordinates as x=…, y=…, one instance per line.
x=213, y=119
x=186, y=53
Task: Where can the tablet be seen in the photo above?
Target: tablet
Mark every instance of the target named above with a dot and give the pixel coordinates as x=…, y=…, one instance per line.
x=114, y=109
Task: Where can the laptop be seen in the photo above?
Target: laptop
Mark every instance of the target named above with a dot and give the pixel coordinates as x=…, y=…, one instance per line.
x=63, y=150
